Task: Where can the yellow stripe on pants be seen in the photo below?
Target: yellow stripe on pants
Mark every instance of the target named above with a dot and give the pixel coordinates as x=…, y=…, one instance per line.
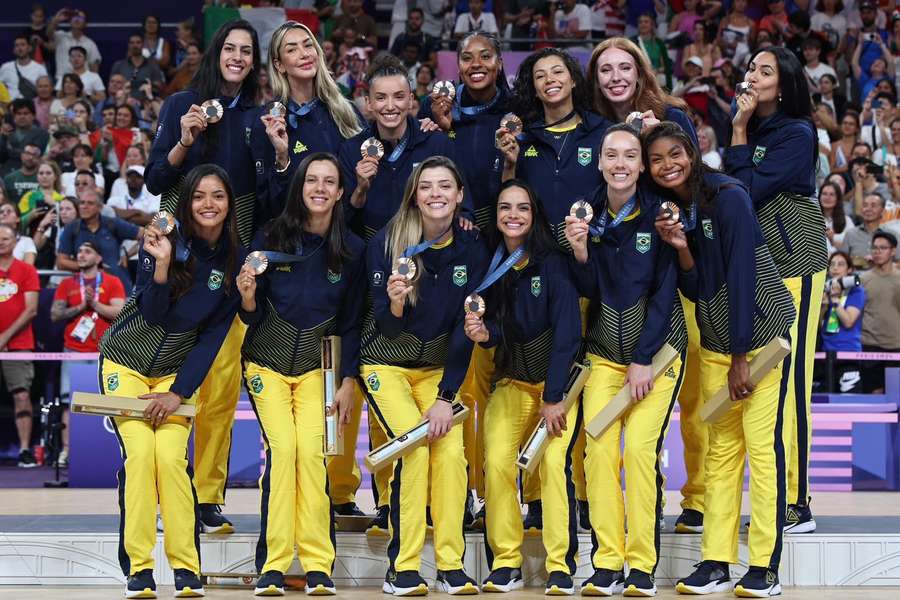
x=752, y=427
x=155, y=466
x=510, y=416
x=645, y=425
x=344, y=475
x=807, y=293
x=294, y=505
x=399, y=397
x=217, y=400
x=694, y=434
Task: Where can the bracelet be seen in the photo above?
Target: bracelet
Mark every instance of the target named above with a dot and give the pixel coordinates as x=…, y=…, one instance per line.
x=185, y=145
x=280, y=171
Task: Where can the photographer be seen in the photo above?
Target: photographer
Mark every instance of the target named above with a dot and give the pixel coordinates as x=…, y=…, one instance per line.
x=841, y=318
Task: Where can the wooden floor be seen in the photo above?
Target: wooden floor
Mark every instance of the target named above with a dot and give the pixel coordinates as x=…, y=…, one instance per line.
x=40, y=501
x=100, y=593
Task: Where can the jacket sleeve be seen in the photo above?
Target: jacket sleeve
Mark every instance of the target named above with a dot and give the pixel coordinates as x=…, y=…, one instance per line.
x=448, y=149
x=659, y=307
x=161, y=176
x=348, y=157
x=199, y=360
x=153, y=298
x=778, y=171
x=585, y=276
x=378, y=272
x=738, y=244
x=689, y=283
x=565, y=319
x=350, y=316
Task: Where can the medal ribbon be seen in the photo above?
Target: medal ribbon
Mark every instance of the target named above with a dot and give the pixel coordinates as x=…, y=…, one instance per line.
x=494, y=272
x=401, y=146
x=423, y=246
x=623, y=214
x=690, y=222
x=284, y=257
x=295, y=111
x=458, y=109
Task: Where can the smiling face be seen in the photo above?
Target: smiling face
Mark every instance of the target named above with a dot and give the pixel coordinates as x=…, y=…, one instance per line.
x=763, y=74
x=389, y=100
x=321, y=187
x=437, y=194
x=553, y=83
x=479, y=64
x=236, y=57
x=209, y=203
x=123, y=118
x=620, y=161
x=670, y=164
x=297, y=57
x=617, y=75
x=514, y=214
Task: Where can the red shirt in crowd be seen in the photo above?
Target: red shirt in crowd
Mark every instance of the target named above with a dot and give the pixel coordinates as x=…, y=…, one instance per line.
x=14, y=283
x=70, y=291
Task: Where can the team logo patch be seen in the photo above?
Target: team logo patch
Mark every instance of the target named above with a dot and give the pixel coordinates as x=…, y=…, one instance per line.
x=8, y=289
x=451, y=134
x=215, y=280
x=707, y=228
x=373, y=381
x=146, y=264
x=584, y=156
x=642, y=243
x=759, y=154
x=671, y=373
x=256, y=384
x=300, y=147
x=247, y=135
x=460, y=275
x=531, y=152
x=259, y=167
x=284, y=269
x=112, y=382
x=333, y=277
x=536, y=286
x=377, y=279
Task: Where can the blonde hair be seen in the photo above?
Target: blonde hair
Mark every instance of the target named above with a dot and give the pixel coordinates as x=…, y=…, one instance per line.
x=648, y=95
x=57, y=174
x=710, y=134
x=326, y=89
x=405, y=227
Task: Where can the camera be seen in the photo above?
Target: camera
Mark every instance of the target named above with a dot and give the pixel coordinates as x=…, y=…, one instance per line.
x=846, y=282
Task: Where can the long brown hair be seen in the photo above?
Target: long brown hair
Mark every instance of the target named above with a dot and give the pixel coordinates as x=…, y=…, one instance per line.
x=648, y=95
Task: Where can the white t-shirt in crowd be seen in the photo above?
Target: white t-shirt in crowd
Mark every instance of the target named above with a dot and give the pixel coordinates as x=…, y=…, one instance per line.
x=145, y=202
x=577, y=20
x=64, y=41
x=821, y=69
x=10, y=78
x=24, y=245
x=466, y=23
x=92, y=83
x=68, y=182
x=712, y=159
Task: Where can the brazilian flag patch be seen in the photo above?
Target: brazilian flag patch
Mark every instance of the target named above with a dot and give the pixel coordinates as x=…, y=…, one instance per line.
x=642, y=243
x=373, y=382
x=759, y=154
x=536, y=286
x=112, y=382
x=256, y=384
x=333, y=277
x=584, y=156
x=707, y=229
x=460, y=275
x=215, y=280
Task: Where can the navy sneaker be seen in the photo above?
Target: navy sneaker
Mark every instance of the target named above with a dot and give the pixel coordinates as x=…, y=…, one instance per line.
x=504, y=579
x=639, y=584
x=141, y=585
x=456, y=583
x=534, y=520
x=559, y=584
x=758, y=582
x=604, y=582
x=799, y=519
x=689, y=521
x=187, y=584
x=348, y=509
x=404, y=583
x=710, y=576
x=270, y=584
x=379, y=525
x=213, y=521
x=319, y=584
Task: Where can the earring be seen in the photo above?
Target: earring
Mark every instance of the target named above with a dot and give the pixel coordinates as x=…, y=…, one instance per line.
x=779, y=98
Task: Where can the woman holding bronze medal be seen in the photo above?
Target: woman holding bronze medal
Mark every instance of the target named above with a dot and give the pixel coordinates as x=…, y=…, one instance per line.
x=742, y=305
x=630, y=277
x=414, y=355
x=309, y=114
x=304, y=279
x=160, y=348
x=207, y=123
x=529, y=314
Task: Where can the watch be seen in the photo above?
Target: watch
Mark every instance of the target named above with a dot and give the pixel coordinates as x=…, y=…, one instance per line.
x=446, y=396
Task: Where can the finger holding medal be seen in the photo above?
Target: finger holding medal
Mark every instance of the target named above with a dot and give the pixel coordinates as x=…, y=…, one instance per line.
x=193, y=123
x=398, y=288
x=372, y=151
x=276, y=130
x=475, y=328
x=510, y=127
x=577, y=232
x=246, y=284
x=156, y=242
x=441, y=105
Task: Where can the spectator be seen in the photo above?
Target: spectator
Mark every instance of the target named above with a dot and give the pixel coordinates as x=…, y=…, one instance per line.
x=185, y=35
x=24, y=249
x=841, y=318
x=814, y=68
x=828, y=21
x=19, y=287
x=684, y=22
x=702, y=47
x=136, y=206
x=115, y=96
x=424, y=82
x=737, y=32
x=72, y=92
x=777, y=20
x=111, y=143
x=521, y=13
x=21, y=74
x=45, y=196
x=329, y=55
x=842, y=149
x=571, y=21
x=409, y=55
x=608, y=18
x=83, y=159
x=475, y=20
x=64, y=141
x=829, y=95
x=106, y=233
x=655, y=49
x=83, y=121
x=868, y=177
x=833, y=210
x=22, y=132
x=46, y=234
x=62, y=41
x=427, y=45
x=43, y=101
x=36, y=32
x=186, y=70
x=356, y=19
x=694, y=90
x=155, y=47
x=135, y=155
x=881, y=314
x=358, y=62
x=138, y=69
x=871, y=36
x=709, y=147
x=435, y=12
x=89, y=302
x=91, y=83
x=879, y=67
x=859, y=238
x=23, y=179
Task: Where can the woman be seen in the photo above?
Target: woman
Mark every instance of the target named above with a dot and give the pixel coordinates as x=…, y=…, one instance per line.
x=737, y=32
x=706, y=50
x=424, y=81
x=318, y=117
x=726, y=269
x=46, y=235
x=773, y=151
x=842, y=149
x=159, y=349
x=533, y=322
x=621, y=82
x=828, y=94
x=833, y=212
x=83, y=157
x=34, y=203
x=185, y=138
x=24, y=249
x=709, y=147
x=629, y=276
x=186, y=70
x=112, y=143
x=842, y=307
x=72, y=91
x=43, y=101
x=556, y=152
x=375, y=185
x=320, y=294
x=155, y=46
x=82, y=120
x=414, y=356
x=829, y=21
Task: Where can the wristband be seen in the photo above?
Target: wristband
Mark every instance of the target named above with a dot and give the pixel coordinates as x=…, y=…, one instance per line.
x=446, y=396
x=280, y=171
x=185, y=145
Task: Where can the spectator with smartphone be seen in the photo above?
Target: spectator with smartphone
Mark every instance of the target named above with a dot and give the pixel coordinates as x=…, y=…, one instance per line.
x=33, y=204
x=62, y=41
x=20, y=75
x=46, y=234
x=881, y=314
x=19, y=287
x=868, y=177
x=138, y=69
x=17, y=132
x=92, y=85
x=23, y=179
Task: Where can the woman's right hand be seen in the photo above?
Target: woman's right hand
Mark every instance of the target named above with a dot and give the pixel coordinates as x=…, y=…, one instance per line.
x=246, y=283
x=193, y=122
x=49, y=218
x=577, y=232
x=366, y=170
x=509, y=145
x=276, y=129
x=475, y=329
x=440, y=110
x=671, y=232
x=157, y=245
x=398, y=288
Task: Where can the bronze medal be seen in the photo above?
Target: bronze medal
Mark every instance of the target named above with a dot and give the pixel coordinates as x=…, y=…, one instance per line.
x=405, y=267
x=372, y=147
x=257, y=261
x=213, y=110
x=512, y=123
x=743, y=87
x=276, y=109
x=474, y=305
x=669, y=210
x=444, y=88
x=164, y=222
x=582, y=211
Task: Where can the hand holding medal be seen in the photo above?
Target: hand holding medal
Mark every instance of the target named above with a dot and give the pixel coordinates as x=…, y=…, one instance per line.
x=474, y=305
x=212, y=110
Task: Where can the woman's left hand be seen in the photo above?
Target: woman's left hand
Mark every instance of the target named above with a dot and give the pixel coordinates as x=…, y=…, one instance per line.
x=640, y=380
x=746, y=105
x=344, y=398
x=440, y=419
x=427, y=125
x=162, y=404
